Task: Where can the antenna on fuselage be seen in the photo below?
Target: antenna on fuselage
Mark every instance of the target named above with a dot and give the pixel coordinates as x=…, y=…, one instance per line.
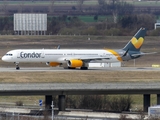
x=59, y=47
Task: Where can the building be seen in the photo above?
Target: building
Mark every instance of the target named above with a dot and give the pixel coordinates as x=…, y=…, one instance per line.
x=157, y=24
x=30, y=24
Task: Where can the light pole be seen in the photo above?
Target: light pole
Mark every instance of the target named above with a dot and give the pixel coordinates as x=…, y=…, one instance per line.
x=52, y=110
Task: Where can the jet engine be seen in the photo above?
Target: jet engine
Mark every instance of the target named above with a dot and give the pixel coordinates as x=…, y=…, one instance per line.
x=53, y=64
x=75, y=63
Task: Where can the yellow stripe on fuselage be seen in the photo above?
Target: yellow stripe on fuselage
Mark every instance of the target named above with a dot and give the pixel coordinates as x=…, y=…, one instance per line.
x=115, y=54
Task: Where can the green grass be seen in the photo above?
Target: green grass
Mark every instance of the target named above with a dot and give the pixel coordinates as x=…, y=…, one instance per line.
x=92, y=2
x=25, y=3
x=87, y=18
x=145, y=3
x=91, y=18
x=34, y=100
x=26, y=100
x=75, y=3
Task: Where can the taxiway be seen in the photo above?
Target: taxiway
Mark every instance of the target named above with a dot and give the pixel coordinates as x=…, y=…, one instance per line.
x=54, y=69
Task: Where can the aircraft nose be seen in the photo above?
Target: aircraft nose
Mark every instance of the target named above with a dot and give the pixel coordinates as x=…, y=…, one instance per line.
x=4, y=58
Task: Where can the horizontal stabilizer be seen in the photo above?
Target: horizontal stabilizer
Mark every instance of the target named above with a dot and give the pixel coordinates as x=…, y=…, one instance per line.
x=141, y=54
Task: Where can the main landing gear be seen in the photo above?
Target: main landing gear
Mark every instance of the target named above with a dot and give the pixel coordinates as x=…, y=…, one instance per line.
x=84, y=68
x=17, y=66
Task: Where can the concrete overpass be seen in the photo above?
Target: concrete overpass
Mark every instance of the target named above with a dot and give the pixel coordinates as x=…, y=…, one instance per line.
x=62, y=89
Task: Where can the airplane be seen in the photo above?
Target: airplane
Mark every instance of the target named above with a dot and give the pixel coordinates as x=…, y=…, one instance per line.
x=78, y=58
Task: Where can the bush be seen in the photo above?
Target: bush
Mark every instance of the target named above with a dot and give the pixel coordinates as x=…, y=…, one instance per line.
x=95, y=102
x=98, y=102
x=119, y=104
x=69, y=31
x=154, y=32
x=113, y=32
x=19, y=103
x=90, y=31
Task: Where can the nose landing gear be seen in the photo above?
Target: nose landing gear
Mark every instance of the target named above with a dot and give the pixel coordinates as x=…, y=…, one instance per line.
x=17, y=66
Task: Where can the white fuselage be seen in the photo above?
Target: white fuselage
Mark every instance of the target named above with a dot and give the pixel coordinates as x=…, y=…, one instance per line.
x=58, y=55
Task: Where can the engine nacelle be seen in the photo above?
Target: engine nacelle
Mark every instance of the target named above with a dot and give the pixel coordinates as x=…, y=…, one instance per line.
x=75, y=63
x=53, y=64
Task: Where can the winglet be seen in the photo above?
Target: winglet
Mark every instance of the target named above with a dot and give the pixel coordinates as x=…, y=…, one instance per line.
x=59, y=47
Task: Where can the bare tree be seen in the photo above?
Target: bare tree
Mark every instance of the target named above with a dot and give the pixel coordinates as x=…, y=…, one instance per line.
x=4, y=6
x=101, y=2
x=117, y=8
x=80, y=3
x=51, y=7
x=21, y=6
x=114, y=9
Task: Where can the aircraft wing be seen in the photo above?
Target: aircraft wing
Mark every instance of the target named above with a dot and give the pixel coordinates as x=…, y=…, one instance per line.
x=88, y=58
x=94, y=58
x=141, y=54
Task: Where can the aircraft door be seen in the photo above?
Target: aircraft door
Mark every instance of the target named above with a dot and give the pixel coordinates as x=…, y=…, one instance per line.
x=102, y=54
x=18, y=54
x=42, y=54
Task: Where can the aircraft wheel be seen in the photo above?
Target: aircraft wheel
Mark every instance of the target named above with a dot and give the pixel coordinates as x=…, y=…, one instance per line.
x=65, y=67
x=84, y=68
x=17, y=68
x=69, y=68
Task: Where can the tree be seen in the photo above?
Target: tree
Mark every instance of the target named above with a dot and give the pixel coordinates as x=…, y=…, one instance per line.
x=4, y=6
x=137, y=21
x=51, y=7
x=21, y=6
x=119, y=8
x=101, y=2
x=115, y=8
x=96, y=17
x=73, y=8
x=80, y=3
x=128, y=21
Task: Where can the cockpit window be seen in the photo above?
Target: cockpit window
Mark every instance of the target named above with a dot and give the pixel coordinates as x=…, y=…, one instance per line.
x=9, y=54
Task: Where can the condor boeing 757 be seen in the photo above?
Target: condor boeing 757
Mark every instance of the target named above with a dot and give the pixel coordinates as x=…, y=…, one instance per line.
x=73, y=58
